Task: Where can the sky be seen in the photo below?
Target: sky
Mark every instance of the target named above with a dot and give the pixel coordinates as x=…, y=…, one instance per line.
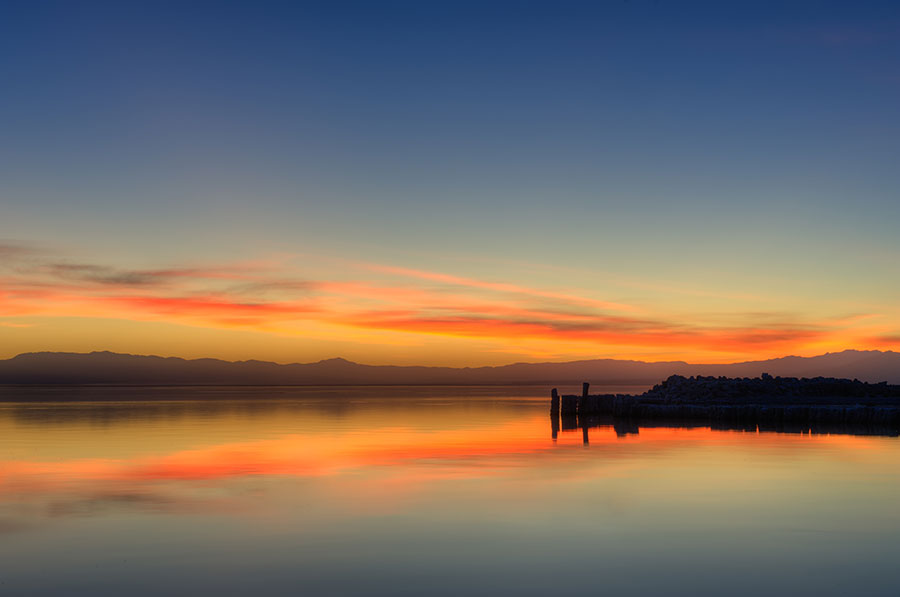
x=450, y=183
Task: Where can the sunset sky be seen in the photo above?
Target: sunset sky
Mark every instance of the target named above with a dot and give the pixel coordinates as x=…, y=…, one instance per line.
x=450, y=183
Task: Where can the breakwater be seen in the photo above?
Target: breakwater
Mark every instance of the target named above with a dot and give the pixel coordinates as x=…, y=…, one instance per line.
x=764, y=402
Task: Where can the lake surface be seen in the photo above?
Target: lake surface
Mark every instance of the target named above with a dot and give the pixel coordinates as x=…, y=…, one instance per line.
x=425, y=491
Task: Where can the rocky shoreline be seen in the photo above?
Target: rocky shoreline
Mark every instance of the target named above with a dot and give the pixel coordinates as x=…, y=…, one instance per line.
x=764, y=402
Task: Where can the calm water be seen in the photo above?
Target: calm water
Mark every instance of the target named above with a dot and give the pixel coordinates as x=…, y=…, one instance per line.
x=404, y=491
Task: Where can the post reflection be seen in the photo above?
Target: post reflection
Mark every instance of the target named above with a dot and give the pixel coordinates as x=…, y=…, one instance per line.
x=624, y=427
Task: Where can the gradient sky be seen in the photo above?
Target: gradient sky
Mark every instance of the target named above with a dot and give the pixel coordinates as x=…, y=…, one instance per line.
x=450, y=183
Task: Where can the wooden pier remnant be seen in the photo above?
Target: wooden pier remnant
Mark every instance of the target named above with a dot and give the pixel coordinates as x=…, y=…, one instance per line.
x=766, y=402
x=583, y=398
x=569, y=422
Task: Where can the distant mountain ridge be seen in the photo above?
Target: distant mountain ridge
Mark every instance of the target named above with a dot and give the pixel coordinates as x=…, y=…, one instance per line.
x=116, y=368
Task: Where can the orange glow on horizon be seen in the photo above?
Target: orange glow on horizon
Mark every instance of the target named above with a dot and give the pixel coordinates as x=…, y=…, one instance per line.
x=424, y=311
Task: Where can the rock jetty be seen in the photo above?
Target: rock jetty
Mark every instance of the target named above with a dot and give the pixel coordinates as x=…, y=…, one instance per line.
x=749, y=403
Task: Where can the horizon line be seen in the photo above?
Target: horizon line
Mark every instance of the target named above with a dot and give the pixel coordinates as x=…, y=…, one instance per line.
x=324, y=360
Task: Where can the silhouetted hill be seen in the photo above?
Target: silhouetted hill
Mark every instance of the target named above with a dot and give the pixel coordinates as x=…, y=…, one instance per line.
x=113, y=368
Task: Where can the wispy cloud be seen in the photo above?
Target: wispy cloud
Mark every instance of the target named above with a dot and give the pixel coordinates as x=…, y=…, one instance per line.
x=387, y=299
x=98, y=274
x=14, y=250
x=501, y=287
x=598, y=331
x=9, y=324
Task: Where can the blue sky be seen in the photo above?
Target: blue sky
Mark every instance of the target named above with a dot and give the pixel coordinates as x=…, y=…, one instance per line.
x=726, y=146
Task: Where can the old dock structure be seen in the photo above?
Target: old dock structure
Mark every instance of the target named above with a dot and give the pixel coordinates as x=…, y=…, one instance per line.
x=766, y=402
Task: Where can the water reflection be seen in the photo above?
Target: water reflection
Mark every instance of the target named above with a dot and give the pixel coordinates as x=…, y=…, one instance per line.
x=625, y=426
x=438, y=491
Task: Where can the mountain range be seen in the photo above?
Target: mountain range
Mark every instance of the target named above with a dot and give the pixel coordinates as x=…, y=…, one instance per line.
x=115, y=368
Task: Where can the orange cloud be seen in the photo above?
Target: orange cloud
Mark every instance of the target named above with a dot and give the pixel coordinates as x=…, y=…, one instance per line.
x=595, y=330
x=266, y=298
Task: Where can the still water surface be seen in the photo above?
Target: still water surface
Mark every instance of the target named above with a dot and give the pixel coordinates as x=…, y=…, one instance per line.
x=425, y=491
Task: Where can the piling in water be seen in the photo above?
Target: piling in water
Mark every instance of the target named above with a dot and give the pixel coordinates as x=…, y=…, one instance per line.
x=752, y=403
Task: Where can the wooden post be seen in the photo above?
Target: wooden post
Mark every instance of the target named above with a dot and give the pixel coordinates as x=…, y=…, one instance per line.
x=554, y=413
x=583, y=399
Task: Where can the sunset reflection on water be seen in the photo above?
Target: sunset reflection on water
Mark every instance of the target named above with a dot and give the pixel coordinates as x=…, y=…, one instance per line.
x=419, y=490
